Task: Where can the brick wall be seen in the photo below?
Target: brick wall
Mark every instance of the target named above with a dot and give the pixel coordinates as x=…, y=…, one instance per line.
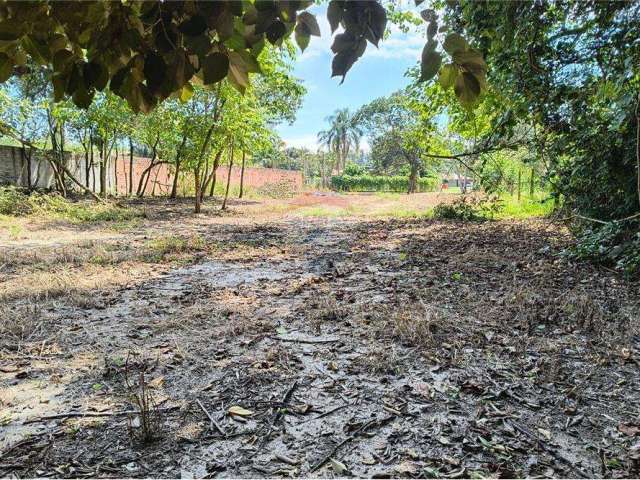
x=258, y=177
x=13, y=170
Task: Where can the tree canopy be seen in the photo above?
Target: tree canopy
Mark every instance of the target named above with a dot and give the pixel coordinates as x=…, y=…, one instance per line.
x=147, y=51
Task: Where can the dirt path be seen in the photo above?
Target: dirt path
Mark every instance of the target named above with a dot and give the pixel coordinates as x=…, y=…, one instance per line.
x=373, y=348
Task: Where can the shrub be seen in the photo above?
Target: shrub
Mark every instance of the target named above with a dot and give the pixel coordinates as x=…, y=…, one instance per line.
x=469, y=208
x=379, y=183
x=615, y=244
x=17, y=202
x=14, y=201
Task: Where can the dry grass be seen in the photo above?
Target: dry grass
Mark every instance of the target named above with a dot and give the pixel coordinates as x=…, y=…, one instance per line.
x=64, y=281
x=22, y=322
x=412, y=323
x=326, y=309
x=381, y=360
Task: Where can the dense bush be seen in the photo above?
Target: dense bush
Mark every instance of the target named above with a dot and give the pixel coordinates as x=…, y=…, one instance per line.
x=469, y=208
x=17, y=202
x=379, y=183
x=615, y=244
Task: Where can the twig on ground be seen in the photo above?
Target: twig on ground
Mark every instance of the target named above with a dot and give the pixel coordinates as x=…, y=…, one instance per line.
x=376, y=422
x=304, y=340
x=211, y=419
x=91, y=414
x=327, y=413
x=551, y=451
x=285, y=401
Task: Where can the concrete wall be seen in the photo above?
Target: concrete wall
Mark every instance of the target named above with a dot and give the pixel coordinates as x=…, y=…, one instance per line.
x=14, y=161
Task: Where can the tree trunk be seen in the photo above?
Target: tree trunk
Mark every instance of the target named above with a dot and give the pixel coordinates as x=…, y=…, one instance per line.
x=155, y=183
x=115, y=172
x=226, y=193
x=531, y=182
x=103, y=170
x=27, y=158
x=211, y=180
x=174, y=187
x=63, y=161
x=198, y=205
x=92, y=170
x=86, y=161
x=203, y=151
x=519, y=182
x=144, y=178
x=413, y=179
x=130, y=166
x=242, y=174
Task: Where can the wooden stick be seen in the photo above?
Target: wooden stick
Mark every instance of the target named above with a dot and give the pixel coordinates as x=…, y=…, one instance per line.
x=302, y=340
x=355, y=434
x=91, y=414
x=213, y=422
x=549, y=450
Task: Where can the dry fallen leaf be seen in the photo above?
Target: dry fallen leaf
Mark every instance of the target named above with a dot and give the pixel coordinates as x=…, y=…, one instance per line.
x=156, y=382
x=406, y=468
x=545, y=433
x=630, y=429
x=338, y=466
x=368, y=460
x=242, y=412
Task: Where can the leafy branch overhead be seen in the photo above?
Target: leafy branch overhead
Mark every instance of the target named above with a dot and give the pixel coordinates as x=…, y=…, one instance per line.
x=147, y=51
x=466, y=72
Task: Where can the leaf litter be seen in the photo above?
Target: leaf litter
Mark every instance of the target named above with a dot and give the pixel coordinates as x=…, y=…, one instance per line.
x=409, y=348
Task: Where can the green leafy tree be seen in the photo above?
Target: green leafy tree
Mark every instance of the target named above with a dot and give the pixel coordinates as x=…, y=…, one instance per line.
x=342, y=137
x=401, y=134
x=145, y=52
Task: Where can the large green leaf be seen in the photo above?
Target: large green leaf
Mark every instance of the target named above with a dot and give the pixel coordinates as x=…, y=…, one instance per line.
x=454, y=42
x=431, y=61
x=193, y=26
x=345, y=59
x=186, y=93
x=310, y=23
x=238, y=77
x=302, y=37
x=467, y=89
x=448, y=75
x=335, y=11
x=471, y=60
x=215, y=67
x=6, y=67
x=154, y=70
x=276, y=31
x=95, y=75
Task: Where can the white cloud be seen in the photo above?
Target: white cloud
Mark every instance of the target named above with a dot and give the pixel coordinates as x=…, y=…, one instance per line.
x=397, y=45
x=305, y=141
x=310, y=142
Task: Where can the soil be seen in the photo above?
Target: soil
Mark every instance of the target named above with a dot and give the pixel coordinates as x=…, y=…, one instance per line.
x=334, y=347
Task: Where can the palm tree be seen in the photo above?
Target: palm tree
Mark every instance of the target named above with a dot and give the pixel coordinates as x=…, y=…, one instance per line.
x=342, y=135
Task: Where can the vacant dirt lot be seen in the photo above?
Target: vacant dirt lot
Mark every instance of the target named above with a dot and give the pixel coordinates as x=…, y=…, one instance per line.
x=276, y=340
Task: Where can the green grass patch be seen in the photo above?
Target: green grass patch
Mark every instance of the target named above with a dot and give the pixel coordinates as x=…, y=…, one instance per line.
x=538, y=205
x=402, y=212
x=327, y=211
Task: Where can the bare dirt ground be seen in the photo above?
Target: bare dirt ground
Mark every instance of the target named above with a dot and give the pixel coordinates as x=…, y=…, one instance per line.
x=261, y=343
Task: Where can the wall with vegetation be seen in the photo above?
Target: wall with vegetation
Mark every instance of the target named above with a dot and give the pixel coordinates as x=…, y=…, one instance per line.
x=14, y=161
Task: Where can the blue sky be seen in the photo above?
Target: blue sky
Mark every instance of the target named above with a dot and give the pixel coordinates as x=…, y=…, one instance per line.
x=379, y=72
